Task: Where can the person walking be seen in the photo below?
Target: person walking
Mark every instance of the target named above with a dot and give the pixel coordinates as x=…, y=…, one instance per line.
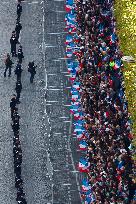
x=31, y=69
x=18, y=29
x=19, y=10
x=20, y=54
x=8, y=63
x=13, y=42
x=18, y=90
x=18, y=71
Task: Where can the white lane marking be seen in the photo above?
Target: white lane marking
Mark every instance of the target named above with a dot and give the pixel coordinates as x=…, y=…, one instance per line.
x=33, y=2
x=51, y=74
x=57, y=133
x=72, y=160
x=44, y=46
x=64, y=72
x=66, y=184
x=63, y=58
x=49, y=46
x=59, y=0
x=63, y=117
x=57, y=60
x=54, y=89
x=58, y=11
x=51, y=86
x=52, y=101
x=67, y=105
x=56, y=33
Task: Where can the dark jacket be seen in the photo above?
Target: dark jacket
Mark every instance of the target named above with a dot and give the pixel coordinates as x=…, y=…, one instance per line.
x=13, y=40
x=19, y=9
x=31, y=68
x=18, y=69
x=20, y=53
x=18, y=87
x=18, y=27
x=13, y=103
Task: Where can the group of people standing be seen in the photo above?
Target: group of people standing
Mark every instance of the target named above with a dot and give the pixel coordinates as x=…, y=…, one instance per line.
x=17, y=151
x=99, y=104
x=14, y=40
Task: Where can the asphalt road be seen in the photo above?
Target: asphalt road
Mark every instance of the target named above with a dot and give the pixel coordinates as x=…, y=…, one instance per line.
x=49, y=149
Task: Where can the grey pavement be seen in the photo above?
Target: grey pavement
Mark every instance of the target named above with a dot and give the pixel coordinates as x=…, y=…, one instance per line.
x=49, y=167
x=7, y=190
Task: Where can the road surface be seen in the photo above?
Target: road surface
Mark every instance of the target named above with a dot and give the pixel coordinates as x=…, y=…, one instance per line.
x=49, y=151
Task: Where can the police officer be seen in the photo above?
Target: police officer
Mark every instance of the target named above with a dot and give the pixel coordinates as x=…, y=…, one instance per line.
x=18, y=71
x=19, y=10
x=31, y=69
x=18, y=90
x=13, y=105
x=15, y=126
x=18, y=29
x=20, y=54
x=13, y=42
x=15, y=113
x=8, y=64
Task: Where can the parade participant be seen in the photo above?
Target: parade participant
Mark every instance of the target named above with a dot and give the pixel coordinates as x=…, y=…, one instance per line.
x=18, y=90
x=13, y=42
x=31, y=69
x=8, y=63
x=18, y=71
x=20, y=54
x=13, y=105
x=15, y=126
x=18, y=29
x=19, y=10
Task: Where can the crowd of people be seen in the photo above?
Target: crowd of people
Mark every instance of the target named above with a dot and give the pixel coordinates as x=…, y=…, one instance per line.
x=99, y=105
x=15, y=100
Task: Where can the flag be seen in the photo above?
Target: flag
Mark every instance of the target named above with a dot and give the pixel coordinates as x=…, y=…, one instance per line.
x=78, y=116
x=79, y=135
x=74, y=108
x=117, y=64
x=89, y=200
x=69, y=54
x=79, y=128
x=83, y=145
x=85, y=185
x=76, y=85
x=83, y=165
x=113, y=38
x=70, y=2
x=72, y=77
x=68, y=39
x=75, y=103
x=75, y=96
x=68, y=8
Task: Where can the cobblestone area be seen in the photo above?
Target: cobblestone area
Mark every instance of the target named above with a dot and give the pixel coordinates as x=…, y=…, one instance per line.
x=7, y=190
x=49, y=152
